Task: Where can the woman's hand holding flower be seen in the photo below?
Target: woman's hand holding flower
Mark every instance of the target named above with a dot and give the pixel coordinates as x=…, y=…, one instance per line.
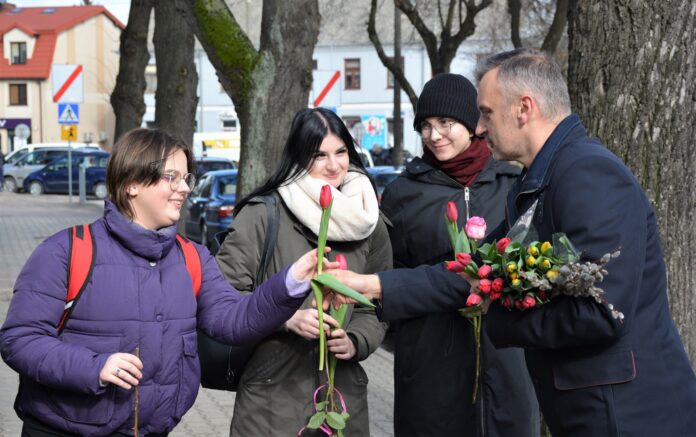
x=305, y=323
x=341, y=345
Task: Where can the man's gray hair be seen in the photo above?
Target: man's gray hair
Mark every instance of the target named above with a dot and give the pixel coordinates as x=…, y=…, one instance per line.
x=532, y=72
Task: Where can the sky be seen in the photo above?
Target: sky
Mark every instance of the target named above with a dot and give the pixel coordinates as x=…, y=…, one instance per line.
x=117, y=7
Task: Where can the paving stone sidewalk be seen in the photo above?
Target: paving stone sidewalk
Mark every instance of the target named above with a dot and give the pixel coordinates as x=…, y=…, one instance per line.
x=26, y=220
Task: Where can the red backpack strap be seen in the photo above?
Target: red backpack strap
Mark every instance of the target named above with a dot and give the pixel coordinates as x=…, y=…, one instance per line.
x=81, y=255
x=192, y=260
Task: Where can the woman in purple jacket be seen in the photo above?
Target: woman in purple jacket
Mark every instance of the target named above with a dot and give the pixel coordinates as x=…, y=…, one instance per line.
x=135, y=323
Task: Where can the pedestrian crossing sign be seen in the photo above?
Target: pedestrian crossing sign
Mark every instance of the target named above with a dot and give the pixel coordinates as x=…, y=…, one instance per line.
x=68, y=113
x=68, y=133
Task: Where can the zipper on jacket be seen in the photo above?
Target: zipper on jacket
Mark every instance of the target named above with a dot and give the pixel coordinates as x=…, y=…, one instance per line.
x=466, y=201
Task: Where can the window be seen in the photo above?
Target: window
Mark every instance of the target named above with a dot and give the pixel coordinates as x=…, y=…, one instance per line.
x=18, y=94
x=229, y=124
x=352, y=74
x=18, y=51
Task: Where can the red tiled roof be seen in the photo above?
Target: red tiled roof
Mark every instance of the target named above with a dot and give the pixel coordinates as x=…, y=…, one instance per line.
x=46, y=28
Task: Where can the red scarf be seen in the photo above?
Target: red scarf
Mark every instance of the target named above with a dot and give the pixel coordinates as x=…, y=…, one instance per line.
x=465, y=167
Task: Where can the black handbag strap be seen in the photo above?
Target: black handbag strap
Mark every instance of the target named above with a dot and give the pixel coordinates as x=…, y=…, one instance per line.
x=272, y=225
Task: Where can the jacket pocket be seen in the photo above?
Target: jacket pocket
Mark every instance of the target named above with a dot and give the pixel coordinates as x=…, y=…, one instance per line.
x=597, y=370
x=190, y=374
x=80, y=407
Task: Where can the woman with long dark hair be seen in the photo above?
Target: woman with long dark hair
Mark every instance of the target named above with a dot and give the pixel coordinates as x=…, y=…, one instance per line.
x=275, y=392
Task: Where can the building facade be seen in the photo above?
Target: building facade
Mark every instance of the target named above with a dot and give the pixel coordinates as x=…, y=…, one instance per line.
x=37, y=38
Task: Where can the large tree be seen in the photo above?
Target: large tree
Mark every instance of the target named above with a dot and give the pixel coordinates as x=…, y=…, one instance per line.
x=267, y=85
x=127, y=96
x=632, y=69
x=176, y=95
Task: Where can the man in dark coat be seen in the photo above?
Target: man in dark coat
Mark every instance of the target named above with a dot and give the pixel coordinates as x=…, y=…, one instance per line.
x=594, y=375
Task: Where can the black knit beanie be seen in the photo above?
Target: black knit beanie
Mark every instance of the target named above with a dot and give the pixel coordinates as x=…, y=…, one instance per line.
x=448, y=95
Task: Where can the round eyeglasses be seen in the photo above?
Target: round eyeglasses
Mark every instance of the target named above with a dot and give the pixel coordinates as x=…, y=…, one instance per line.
x=443, y=127
x=175, y=179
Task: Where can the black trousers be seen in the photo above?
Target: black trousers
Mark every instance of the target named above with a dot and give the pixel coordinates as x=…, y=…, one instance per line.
x=34, y=428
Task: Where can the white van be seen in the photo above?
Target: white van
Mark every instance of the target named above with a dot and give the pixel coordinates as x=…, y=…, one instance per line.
x=217, y=144
x=16, y=154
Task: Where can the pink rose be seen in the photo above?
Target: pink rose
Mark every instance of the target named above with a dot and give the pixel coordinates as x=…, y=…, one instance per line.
x=484, y=271
x=454, y=266
x=485, y=286
x=464, y=258
x=502, y=244
x=473, y=300
x=528, y=301
x=498, y=285
x=452, y=213
x=476, y=228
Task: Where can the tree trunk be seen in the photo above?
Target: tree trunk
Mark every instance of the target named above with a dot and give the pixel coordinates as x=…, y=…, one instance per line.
x=632, y=67
x=127, y=97
x=267, y=86
x=175, y=98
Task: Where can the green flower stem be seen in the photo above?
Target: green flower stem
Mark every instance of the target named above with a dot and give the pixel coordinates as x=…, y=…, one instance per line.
x=476, y=321
x=321, y=238
x=340, y=315
x=319, y=297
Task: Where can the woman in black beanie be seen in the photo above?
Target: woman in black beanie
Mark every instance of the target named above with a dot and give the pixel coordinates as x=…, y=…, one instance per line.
x=434, y=357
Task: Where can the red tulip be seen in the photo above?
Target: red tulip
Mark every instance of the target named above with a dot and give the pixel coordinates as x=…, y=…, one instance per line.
x=484, y=271
x=325, y=197
x=452, y=212
x=528, y=301
x=495, y=295
x=485, y=286
x=342, y=261
x=507, y=302
x=454, y=266
x=498, y=285
x=464, y=258
x=473, y=300
x=502, y=244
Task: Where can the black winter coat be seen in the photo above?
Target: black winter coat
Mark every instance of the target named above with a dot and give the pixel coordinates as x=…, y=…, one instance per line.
x=434, y=363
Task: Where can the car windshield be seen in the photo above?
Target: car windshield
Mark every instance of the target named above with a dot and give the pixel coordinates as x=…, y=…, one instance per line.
x=227, y=185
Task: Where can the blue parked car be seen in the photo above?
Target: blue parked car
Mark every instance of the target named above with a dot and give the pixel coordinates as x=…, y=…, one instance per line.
x=209, y=207
x=53, y=178
x=383, y=175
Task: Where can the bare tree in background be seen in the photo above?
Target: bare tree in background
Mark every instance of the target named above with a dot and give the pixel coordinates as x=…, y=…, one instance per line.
x=176, y=95
x=127, y=96
x=538, y=12
x=267, y=85
x=456, y=23
x=632, y=68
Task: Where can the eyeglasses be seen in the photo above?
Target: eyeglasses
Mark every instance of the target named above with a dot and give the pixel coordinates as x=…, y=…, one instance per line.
x=175, y=179
x=442, y=126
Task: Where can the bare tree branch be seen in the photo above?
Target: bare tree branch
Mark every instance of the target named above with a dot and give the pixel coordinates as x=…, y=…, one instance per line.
x=450, y=16
x=553, y=37
x=428, y=37
x=514, y=9
x=392, y=64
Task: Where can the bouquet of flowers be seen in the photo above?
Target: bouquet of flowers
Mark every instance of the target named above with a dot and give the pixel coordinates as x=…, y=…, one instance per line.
x=519, y=271
x=330, y=414
x=522, y=275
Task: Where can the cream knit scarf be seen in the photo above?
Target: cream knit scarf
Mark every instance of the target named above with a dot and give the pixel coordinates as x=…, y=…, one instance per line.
x=354, y=213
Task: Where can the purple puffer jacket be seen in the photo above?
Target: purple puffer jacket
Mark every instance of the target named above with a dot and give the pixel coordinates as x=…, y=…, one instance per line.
x=140, y=295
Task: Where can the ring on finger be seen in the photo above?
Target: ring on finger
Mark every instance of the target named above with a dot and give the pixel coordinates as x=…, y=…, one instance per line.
x=118, y=370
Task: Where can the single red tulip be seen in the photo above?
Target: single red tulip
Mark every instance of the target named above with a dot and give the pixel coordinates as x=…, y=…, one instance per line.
x=473, y=299
x=485, y=286
x=484, y=271
x=342, y=261
x=452, y=213
x=325, y=197
x=464, y=258
x=495, y=295
x=502, y=244
x=454, y=266
x=507, y=302
x=498, y=285
x=528, y=301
